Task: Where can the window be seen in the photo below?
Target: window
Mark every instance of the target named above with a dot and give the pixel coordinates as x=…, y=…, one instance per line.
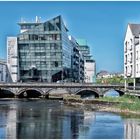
x=42, y=45
x=43, y=62
x=40, y=53
x=46, y=37
x=33, y=37
x=26, y=37
x=52, y=45
x=131, y=43
x=137, y=54
x=52, y=54
x=131, y=69
x=56, y=63
x=21, y=37
x=26, y=26
x=58, y=37
x=51, y=27
x=50, y=37
x=125, y=59
x=126, y=46
x=46, y=27
x=137, y=68
x=130, y=57
x=23, y=27
x=41, y=37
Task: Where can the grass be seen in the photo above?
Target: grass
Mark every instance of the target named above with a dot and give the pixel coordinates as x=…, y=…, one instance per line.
x=133, y=106
x=125, y=102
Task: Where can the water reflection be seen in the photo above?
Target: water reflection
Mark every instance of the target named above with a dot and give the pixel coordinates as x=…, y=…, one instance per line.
x=48, y=121
x=11, y=124
x=132, y=129
x=103, y=125
x=42, y=119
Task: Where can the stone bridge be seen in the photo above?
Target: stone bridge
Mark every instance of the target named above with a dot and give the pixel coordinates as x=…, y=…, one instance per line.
x=35, y=90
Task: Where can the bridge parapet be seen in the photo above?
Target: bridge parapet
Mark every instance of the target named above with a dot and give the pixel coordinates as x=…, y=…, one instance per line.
x=70, y=88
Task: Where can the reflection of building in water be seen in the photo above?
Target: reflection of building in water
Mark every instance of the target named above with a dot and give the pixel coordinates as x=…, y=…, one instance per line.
x=47, y=123
x=39, y=124
x=132, y=129
x=89, y=119
x=76, y=120
x=11, y=132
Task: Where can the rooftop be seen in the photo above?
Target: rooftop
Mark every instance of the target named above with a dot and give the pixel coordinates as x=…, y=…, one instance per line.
x=82, y=42
x=38, y=22
x=135, y=28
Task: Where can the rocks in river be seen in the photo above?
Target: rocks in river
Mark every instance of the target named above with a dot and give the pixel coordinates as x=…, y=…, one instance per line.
x=89, y=104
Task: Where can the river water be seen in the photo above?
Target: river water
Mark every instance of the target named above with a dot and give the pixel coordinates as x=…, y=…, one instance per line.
x=50, y=119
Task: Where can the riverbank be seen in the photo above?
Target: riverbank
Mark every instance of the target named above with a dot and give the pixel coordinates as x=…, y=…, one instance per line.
x=124, y=105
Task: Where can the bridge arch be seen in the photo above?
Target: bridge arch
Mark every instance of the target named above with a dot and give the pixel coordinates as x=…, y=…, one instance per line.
x=120, y=92
x=6, y=93
x=88, y=92
x=30, y=93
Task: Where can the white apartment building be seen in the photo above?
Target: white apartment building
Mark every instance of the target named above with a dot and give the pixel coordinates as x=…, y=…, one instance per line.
x=12, y=58
x=4, y=73
x=132, y=53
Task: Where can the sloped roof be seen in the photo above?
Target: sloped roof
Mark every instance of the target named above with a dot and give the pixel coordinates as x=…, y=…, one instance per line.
x=40, y=24
x=135, y=28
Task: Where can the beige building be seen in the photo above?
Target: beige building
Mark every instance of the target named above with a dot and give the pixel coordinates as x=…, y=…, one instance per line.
x=90, y=71
x=12, y=58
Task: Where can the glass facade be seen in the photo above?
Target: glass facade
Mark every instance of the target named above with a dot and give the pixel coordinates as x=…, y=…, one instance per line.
x=84, y=48
x=90, y=67
x=77, y=62
x=44, y=51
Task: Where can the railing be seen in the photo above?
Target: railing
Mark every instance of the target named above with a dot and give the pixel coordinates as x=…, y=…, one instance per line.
x=131, y=87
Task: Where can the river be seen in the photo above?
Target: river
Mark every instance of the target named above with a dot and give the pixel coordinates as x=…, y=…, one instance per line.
x=51, y=119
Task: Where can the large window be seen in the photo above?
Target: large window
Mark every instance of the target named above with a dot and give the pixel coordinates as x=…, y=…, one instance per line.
x=125, y=46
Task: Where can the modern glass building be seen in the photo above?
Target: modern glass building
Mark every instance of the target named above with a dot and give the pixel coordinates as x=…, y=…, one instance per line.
x=44, y=51
x=89, y=64
x=77, y=62
x=84, y=48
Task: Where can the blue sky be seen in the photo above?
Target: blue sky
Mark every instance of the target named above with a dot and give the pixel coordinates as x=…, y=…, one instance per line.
x=102, y=24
